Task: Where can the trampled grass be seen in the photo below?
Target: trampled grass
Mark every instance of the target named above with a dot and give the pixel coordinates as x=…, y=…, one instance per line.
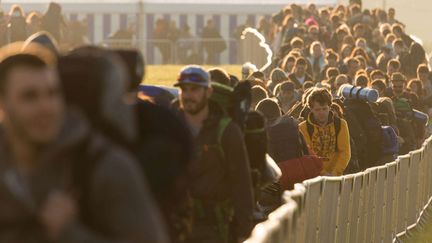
x=167, y=74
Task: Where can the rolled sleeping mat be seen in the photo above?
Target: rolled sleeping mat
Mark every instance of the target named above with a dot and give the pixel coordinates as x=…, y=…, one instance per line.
x=366, y=94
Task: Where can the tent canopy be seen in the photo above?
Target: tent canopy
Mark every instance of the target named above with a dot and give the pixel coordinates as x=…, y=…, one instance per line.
x=163, y=6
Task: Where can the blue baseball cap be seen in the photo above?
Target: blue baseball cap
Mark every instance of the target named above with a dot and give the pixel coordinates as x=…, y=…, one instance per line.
x=195, y=75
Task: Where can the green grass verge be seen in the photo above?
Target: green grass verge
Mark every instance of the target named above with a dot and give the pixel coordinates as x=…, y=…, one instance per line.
x=167, y=74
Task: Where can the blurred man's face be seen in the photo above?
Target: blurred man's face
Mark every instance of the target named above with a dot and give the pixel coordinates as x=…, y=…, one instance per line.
x=391, y=13
x=289, y=67
x=320, y=112
x=354, y=67
x=398, y=49
x=317, y=51
x=423, y=76
x=391, y=70
x=300, y=69
x=332, y=62
x=380, y=92
x=287, y=95
x=398, y=87
x=193, y=98
x=33, y=105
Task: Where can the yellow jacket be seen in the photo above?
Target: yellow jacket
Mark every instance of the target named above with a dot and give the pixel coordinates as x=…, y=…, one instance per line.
x=323, y=143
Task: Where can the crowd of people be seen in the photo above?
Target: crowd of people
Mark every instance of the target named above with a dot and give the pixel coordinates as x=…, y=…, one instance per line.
x=93, y=155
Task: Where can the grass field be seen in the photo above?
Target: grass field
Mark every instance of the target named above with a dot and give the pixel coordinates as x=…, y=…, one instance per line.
x=423, y=235
x=167, y=74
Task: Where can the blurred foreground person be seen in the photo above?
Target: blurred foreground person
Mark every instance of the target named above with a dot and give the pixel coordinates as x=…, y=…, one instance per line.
x=220, y=174
x=60, y=180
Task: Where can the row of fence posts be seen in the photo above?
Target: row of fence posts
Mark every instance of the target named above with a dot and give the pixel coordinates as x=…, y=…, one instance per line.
x=193, y=50
x=371, y=206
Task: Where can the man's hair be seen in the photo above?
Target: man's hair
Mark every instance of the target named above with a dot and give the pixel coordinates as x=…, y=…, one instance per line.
x=296, y=40
x=377, y=72
x=398, y=42
x=219, y=75
x=301, y=61
x=397, y=27
x=332, y=72
x=423, y=68
x=284, y=86
x=269, y=108
x=330, y=54
x=321, y=96
x=259, y=75
x=380, y=84
x=351, y=60
x=394, y=63
x=258, y=93
x=398, y=77
x=362, y=80
x=18, y=55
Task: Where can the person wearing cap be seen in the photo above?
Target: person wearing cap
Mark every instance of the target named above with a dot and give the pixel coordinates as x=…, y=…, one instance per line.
x=404, y=102
x=221, y=185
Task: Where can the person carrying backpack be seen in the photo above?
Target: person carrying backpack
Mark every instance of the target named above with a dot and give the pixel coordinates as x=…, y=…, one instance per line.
x=326, y=134
x=60, y=179
x=220, y=174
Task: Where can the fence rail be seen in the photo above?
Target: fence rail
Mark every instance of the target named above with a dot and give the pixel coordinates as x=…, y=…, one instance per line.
x=194, y=50
x=376, y=205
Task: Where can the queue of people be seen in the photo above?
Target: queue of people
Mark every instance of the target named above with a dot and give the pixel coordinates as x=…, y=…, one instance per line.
x=94, y=155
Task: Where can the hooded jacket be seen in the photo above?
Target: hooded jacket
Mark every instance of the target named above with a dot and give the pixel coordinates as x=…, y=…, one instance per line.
x=218, y=176
x=113, y=205
x=323, y=143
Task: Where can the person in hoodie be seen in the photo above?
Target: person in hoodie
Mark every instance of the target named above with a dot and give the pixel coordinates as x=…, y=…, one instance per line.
x=326, y=134
x=61, y=180
x=220, y=175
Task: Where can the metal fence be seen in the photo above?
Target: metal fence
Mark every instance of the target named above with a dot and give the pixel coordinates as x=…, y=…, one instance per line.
x=194, y=50
x=372, y=206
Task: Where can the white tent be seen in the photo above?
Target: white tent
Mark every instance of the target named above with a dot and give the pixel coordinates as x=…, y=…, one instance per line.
x=105, y=17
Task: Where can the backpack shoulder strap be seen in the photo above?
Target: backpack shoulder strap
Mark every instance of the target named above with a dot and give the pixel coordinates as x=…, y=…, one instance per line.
x=223, y=124
x=310, y=129
x=337, y=126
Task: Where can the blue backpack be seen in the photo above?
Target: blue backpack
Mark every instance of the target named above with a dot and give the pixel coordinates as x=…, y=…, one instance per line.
x=390, y=141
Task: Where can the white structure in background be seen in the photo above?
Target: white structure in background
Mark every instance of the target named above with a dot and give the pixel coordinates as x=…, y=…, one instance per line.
x=105, y=17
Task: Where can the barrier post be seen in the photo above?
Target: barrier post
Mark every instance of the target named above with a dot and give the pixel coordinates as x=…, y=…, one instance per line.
x=329, y=202
x=344, y=221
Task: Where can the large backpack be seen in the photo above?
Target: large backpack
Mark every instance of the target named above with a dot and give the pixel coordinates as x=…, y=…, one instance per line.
x=365, y=130
x=283, y=139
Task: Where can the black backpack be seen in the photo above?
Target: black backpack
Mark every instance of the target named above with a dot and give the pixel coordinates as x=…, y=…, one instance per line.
x=365, y=129
x=284, y=139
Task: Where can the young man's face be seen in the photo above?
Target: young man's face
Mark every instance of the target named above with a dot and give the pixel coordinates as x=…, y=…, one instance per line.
x=398, y=87
x=380, y=92
x=423, y=76
x=320, y=112
x=193, y=98
x=391, y=70
x=33, y=104
x=287, y=95
x=300, y=69
x=354, y=67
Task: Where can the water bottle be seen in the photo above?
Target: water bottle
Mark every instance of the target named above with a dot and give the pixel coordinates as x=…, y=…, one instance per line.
x=366, y=94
